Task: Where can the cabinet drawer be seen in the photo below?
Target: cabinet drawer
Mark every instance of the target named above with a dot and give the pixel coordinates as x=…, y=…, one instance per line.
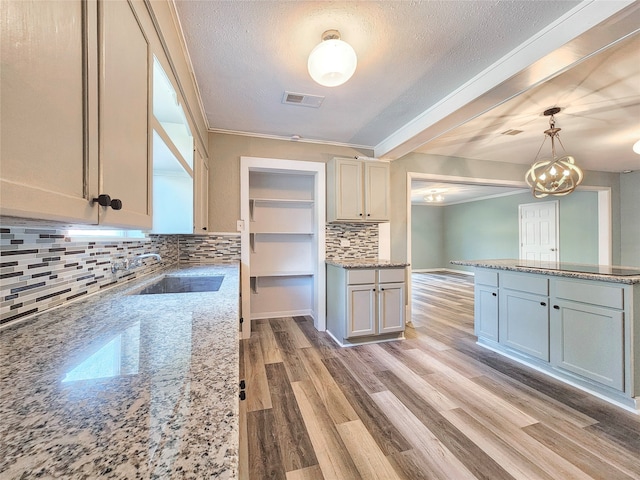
x=390, y=275
x=525, y=283
x=603, y=295
x=486, y=277
x=361, y=276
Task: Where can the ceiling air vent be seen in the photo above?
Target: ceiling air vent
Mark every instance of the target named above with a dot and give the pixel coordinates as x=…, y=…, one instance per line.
x=511, y=132
x=301, y=99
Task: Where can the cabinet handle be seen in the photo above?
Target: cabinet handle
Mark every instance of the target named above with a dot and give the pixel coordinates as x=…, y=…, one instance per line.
x=242, y=384
x=382, y=289
x=544, y=304
x=556, y=307
x=105, y=200
x=204, y=228
x=242, y=395
x=359, y=214
x=368, y=214
x=494, y=294
x=373, y=290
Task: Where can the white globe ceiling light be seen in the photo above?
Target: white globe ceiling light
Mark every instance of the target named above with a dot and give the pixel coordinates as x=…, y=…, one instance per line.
x=332, y=62
x=554, y=176
x=636, y=147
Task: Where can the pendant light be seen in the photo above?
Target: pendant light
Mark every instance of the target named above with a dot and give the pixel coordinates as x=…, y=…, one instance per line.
x=554, y=176
x=332, y=62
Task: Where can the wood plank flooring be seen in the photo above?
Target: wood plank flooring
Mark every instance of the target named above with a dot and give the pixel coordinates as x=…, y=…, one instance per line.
x=432, y=406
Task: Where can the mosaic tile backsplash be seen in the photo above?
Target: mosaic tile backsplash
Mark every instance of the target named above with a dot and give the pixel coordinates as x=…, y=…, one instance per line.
x=207, y=249
x=41, y=268
x=363, y=239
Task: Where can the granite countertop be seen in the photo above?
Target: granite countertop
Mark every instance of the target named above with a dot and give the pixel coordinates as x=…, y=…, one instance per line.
x=364, y=263
x=605, y=273
x=125, y=386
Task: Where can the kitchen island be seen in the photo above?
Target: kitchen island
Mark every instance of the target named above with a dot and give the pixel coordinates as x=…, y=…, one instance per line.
x=579, y=323
x=121, y=385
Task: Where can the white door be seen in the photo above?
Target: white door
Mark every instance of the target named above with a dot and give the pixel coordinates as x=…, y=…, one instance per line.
x=539, y=231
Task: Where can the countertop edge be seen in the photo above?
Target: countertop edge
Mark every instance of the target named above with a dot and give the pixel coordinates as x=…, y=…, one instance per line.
x=627, y=280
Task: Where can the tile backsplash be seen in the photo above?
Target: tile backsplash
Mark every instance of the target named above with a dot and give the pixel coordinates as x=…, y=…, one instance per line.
x=362, y=239
x=42, y=267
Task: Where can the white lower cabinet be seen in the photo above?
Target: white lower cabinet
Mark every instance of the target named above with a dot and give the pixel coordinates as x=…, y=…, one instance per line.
x=580, y=330
x=365, y=304
x=588, y=332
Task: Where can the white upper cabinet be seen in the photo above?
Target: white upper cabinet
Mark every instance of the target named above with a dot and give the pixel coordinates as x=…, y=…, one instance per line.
x=46, y=158
x=124, y=86
x=77, y=111
x=357, y=190
x=201, y=196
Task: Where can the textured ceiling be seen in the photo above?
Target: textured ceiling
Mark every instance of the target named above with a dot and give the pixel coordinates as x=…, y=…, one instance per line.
x=410, y=55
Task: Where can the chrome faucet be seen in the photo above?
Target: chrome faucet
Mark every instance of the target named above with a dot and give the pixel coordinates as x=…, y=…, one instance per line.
x=126, y=264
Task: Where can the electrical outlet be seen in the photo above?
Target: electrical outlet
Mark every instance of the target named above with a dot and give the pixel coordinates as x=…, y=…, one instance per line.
x=344, y=242
x=240, y=225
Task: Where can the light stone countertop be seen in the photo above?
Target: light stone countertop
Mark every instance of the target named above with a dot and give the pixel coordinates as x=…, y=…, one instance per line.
x=124, y=386
x=602, y=273
x=364, y=263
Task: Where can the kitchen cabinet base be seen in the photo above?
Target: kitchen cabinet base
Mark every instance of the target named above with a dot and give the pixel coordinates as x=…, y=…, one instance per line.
x=615, y=397
x=352, y=342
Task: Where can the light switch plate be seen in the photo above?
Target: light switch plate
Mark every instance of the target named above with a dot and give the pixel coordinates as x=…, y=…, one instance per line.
x=240, y=225
x=344, y=242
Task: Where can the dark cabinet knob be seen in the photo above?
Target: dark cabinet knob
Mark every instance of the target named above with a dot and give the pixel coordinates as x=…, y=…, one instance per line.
x=204, y=228
x=494, y=294
x=242, y=384
x=544, y=304
x=105, y=200
x=368, y=214
x=359, y=214
x=382, y=289
x=243, y=395
x=556, y=307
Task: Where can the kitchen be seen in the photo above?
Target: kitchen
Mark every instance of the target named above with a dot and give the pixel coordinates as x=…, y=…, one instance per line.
x=77, y=155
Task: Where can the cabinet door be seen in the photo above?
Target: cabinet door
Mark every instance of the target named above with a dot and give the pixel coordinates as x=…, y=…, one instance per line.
x=201, y=197
x=376, y=191
x=45, y=74
x=390, y=307
x=349, y=198
x=125, y=140
x=486, y=312
x=361, y=310
x=524, y=323
x=589, y=341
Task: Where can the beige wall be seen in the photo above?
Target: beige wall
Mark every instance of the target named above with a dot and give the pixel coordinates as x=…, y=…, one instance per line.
x=225, y=151
x=474, y=169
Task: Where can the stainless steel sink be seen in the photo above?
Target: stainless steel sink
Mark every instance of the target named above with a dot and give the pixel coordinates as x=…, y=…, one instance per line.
x=183, y=285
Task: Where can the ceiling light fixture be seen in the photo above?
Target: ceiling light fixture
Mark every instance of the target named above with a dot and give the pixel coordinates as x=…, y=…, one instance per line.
x=434, y=196
x=554, y=176
x=332, y=62
x=636, y=147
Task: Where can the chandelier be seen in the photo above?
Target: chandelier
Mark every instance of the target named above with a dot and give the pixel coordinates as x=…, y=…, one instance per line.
x=554, y=176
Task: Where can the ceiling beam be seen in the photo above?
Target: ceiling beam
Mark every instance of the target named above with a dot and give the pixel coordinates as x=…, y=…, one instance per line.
x=586, y=29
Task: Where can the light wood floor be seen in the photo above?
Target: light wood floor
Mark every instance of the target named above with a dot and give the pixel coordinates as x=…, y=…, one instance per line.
x=432, y=406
